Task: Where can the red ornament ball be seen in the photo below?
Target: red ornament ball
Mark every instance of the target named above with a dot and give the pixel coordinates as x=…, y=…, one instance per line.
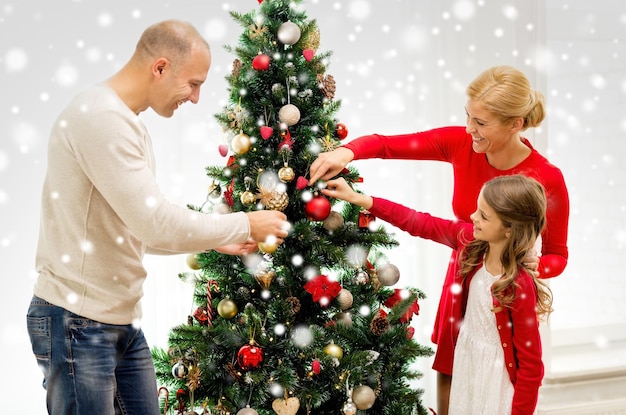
x=261, y=62
x=250, y=356
x=341, y=130
x=318, y=208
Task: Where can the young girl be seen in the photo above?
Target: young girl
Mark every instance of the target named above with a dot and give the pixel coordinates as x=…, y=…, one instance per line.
x=497, y=368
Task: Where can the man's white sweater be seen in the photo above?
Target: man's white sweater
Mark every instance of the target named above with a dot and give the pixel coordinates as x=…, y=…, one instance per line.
x=102, y=210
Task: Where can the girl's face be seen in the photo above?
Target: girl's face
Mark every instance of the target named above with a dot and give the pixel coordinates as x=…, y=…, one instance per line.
x=488, y=133
x=487, y=225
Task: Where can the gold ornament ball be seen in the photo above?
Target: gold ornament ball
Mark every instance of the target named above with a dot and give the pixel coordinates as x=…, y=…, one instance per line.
x=267, y=248
x=344, y=299
x=363, y=397
x=227, y=308
x=333, y=350
x=388, y=274
x=192, y=262
x=289, y=114
x=247, y=198
x=286, y=174
x=241, y=143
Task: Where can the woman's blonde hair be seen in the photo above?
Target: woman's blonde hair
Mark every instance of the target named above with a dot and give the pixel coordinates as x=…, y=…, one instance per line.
x=520, y=203
x=505, y=92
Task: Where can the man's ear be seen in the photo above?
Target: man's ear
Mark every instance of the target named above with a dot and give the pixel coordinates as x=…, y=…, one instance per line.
x=159, y=66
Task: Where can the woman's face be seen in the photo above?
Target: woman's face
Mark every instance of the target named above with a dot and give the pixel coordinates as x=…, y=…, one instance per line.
x=488, y=133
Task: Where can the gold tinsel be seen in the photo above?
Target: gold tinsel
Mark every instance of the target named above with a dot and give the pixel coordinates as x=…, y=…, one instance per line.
x=327, y=85
x=193, y=378
x=312, y=40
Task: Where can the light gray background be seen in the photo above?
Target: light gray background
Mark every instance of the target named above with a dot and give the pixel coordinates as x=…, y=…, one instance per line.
x=400, y=66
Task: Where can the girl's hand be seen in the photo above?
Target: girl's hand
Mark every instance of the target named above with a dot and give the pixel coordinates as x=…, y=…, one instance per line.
x=340, y=189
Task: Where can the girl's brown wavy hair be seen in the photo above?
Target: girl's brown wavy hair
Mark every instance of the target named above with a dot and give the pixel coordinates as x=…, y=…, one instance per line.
x=520, y=203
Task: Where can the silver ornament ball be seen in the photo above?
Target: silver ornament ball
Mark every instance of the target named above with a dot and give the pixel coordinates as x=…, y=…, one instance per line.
x=388, y=274
x=289, y=33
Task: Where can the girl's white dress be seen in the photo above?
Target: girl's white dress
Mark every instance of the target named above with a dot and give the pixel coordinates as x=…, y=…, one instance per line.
x=480, y=381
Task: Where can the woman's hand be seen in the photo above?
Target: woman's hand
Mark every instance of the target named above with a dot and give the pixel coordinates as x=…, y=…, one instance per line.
x=531, y=260
x=329, y=164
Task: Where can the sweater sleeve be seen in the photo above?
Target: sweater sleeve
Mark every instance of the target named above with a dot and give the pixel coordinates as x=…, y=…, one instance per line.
x=447, y=232
x=438, y=144
x=115, y=154
x=527, y=346
x=554, y=238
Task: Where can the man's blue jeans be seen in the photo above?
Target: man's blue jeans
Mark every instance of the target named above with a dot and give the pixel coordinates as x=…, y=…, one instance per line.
x=91, y=367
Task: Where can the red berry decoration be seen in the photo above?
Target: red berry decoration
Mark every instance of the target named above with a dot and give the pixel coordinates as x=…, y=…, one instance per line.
x=317, y=208
x=261, y=62
x=302, y=183
x=341, y=130
x=316, y=367
x=250, y=357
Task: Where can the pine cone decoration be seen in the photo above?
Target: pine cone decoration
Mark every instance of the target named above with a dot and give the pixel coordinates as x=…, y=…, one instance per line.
x=236, y=68
x=244, y=292
x=327, y=85
x=272, y=199
x=294, y=303
x=379, y=325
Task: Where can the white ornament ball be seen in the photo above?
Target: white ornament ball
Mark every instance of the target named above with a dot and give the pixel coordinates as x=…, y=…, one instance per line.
x=343, y=318
x=289, y=114
x=363, y=397
x=247, y=411
x=345, y=299
x=333, y=222
x=388, y=274
x=349, y=408
x=289, y=33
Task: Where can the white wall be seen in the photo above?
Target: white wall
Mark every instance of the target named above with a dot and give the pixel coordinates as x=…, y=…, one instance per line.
x=400, y=66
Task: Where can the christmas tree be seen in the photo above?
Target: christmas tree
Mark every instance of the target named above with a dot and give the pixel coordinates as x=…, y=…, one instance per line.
x=314, y=325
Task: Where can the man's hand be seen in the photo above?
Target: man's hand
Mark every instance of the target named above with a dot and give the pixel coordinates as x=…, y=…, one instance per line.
x=241, y=249
x=268, y=225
